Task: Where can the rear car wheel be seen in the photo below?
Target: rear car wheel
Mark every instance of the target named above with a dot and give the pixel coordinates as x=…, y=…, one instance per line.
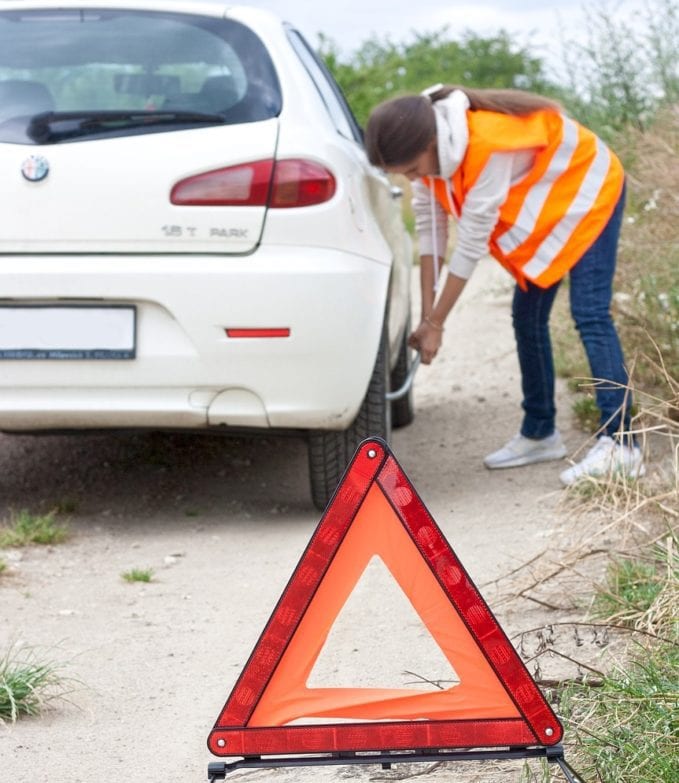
x=331, y=450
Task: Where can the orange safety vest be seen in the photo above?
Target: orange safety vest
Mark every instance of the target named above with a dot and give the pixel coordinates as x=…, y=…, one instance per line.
x=554, y=213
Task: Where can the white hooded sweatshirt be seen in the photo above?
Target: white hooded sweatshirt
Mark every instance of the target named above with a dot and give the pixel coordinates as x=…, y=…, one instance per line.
x=481, y=208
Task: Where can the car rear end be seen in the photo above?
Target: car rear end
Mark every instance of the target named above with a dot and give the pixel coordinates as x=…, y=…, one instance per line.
x=159, y=268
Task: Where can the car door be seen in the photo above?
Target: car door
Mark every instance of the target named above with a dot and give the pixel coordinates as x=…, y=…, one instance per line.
x=374, y=197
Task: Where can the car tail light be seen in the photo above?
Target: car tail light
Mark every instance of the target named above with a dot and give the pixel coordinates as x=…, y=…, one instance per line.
x=281, y=184
x=301, y=183
x=246, y=185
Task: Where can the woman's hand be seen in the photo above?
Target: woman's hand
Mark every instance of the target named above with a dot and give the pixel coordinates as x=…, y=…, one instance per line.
x=426, y=339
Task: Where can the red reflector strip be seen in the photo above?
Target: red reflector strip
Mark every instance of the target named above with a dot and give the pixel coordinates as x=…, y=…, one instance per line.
x=321, y=738
x=277, y=332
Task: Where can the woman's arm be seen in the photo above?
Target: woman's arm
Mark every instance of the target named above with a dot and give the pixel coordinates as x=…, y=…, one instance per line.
x=430, y=269
x=475, y=225
x=428, y=336
x=431, y=226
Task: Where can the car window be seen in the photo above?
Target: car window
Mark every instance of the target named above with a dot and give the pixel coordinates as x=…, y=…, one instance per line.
x=88, y=61
x=329, y=90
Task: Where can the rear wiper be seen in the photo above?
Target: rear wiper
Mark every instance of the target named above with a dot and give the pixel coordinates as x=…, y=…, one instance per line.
x=50, y=127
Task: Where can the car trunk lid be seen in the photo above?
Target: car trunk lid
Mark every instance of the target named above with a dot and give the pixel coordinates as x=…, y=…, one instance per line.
x=113, y=195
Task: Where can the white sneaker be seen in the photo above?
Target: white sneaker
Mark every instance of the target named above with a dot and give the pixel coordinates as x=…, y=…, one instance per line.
x=524, y=451
x=606, y=457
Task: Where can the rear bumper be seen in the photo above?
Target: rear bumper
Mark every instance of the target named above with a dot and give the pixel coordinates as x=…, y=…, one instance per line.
x=187, y=371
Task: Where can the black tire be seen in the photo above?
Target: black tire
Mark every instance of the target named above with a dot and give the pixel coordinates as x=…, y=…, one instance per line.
x=403, y=409
x=331, y=450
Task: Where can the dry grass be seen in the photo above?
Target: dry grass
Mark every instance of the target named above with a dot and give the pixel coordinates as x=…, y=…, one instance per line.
x=646, y=303
x=646, y=296
x=656, y=427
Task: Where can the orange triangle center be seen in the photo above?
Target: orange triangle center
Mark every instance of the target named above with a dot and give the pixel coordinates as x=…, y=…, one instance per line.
x=377, y=530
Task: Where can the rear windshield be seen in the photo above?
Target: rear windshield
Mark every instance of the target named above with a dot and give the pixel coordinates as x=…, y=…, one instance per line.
x=72, y=75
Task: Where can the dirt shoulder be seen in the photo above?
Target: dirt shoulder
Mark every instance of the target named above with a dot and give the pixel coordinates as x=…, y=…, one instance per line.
x=223, y=523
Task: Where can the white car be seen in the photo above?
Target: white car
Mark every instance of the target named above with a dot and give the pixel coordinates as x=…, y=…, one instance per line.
x=192, y=237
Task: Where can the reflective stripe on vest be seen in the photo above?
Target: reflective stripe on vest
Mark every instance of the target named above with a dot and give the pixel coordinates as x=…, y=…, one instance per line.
x=537, y=195
x=554, y=213
x=583, y=203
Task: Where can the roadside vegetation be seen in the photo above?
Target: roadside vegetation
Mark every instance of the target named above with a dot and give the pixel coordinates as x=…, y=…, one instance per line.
x=138, y=575
x=623, y=82
x=29, y=683
x=24, y=528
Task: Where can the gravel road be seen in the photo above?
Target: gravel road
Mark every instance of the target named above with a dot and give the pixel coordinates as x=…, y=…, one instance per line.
x=222, y=523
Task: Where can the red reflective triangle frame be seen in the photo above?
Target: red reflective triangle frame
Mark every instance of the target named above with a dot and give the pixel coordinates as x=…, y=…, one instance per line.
x=534, y=723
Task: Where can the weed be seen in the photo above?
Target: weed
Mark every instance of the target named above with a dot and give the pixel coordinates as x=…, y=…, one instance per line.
x=138, y=575
x=632, y=586
x=656, y=428
x=624, y=726
x=574, y=383
x=587, y=413
x=25, y=528
x=626, y=729
x=28, y=684
x=636, y=588
x=3, y=566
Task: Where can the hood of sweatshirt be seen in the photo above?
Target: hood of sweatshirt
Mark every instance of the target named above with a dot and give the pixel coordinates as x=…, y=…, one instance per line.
x=452, y=131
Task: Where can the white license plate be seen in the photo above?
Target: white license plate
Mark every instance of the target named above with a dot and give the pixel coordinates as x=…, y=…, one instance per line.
x=67, y=332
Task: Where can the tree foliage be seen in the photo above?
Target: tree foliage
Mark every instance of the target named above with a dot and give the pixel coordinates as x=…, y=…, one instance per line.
x=617, y=76
x=627, y=68
x=379, y=70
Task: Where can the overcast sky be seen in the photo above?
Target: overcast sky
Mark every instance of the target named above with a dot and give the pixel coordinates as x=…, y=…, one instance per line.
x=531, y=22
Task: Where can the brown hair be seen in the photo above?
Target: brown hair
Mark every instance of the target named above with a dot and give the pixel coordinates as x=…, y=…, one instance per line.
x=400, y=129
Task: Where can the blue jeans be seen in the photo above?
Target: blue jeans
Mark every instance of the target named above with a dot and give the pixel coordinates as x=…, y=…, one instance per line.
x=591, y=282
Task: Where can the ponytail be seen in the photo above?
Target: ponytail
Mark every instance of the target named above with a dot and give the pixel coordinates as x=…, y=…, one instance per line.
x=502, y=101
x=401, y=129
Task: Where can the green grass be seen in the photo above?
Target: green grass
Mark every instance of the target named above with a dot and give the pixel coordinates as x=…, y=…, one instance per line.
x=28, y=684
x=138, y=575
x=643, y=591
x=25, y=528
x=3, y=566
x=632, y=588
x=627, y=730
x=586, y=412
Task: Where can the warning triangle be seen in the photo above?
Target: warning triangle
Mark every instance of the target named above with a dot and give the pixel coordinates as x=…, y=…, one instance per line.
x=272, y=709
